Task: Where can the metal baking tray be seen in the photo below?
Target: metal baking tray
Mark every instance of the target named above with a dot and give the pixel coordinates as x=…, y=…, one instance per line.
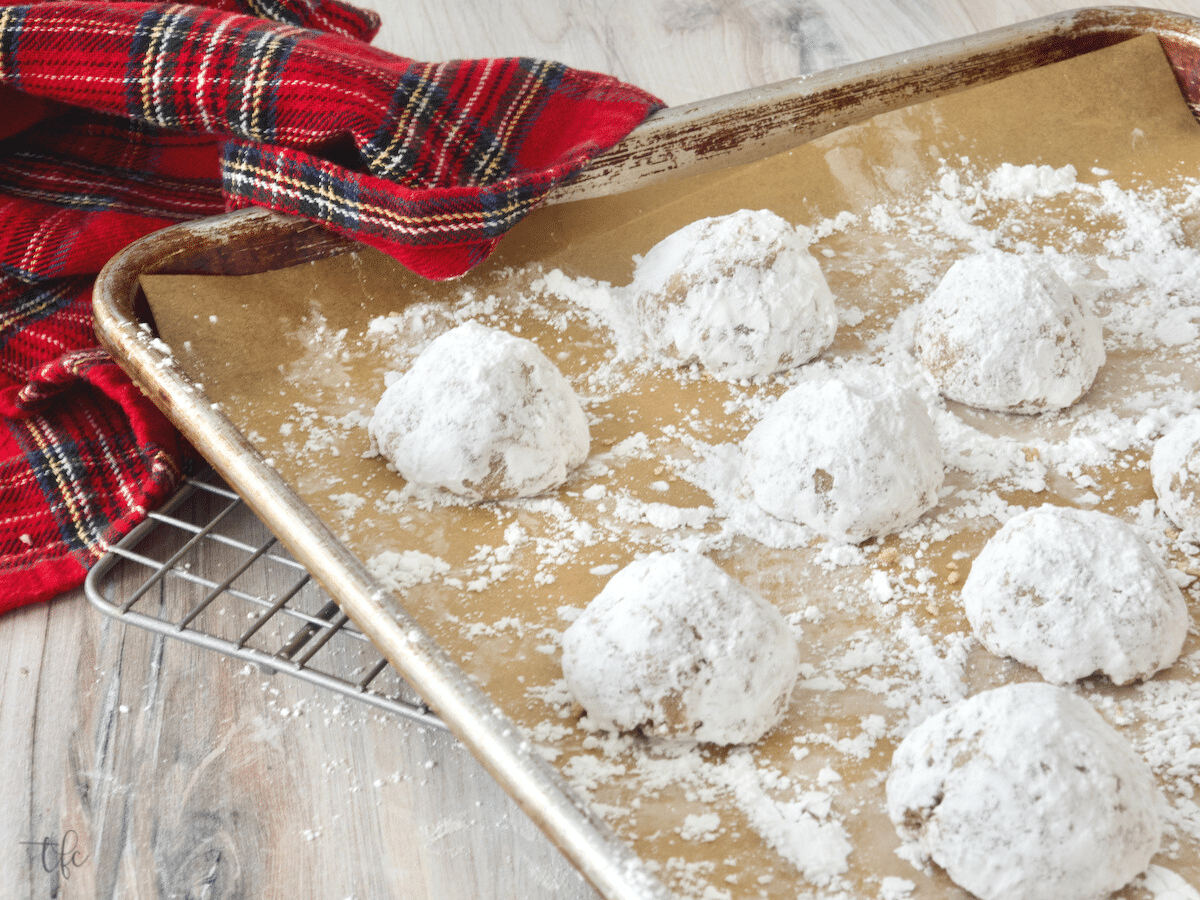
x=697, y=137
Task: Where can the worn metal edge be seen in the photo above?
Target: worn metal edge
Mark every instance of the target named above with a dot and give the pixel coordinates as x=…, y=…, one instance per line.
x=740, y=127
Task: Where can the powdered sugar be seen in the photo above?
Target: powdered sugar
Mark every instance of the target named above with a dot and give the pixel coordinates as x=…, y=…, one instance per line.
x=885, y=643
x=1175, y=470
x=739, y=293
x=400, y=571
x=1010, y=182
x=854, y=459
x=676, y=648
x=1005, y=332
x=916, y=673
x=801, y=829
x=1072, y=592
x=483, y=414
x=1024, y=791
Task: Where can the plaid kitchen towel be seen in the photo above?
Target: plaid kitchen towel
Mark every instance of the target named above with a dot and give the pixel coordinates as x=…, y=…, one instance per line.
x=122, y=118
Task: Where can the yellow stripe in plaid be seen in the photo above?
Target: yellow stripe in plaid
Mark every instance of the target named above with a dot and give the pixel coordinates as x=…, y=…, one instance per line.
x=152, y=66
x=258, y=87
x=275, y=182
x=385, y=160
x=515, y=114
x=7, y=14
x=59, y=466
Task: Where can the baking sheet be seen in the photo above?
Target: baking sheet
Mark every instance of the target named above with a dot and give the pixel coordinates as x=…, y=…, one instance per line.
x=297, y=359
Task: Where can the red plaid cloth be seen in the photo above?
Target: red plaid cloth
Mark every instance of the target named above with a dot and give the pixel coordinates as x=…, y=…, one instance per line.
x=122, y=118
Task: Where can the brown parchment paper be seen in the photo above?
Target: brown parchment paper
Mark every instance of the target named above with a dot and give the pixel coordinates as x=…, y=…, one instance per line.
x=291, y=357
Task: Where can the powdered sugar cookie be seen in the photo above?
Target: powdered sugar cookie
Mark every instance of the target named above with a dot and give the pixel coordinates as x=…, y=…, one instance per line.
x=677, y=648
x=1025, y=793
x=1175, y=472
x=740, y=294
x=482, y=414
x=1005, y=332
x=853, y=458
x=1072, y=592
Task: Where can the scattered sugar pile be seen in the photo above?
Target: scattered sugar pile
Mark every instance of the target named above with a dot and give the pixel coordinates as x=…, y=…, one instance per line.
x=885, y=644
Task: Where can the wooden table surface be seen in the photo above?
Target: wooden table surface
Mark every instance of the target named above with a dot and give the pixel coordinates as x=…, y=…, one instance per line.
x=142, y=767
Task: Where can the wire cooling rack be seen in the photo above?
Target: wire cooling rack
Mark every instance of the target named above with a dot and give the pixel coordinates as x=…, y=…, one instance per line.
x=204, y=569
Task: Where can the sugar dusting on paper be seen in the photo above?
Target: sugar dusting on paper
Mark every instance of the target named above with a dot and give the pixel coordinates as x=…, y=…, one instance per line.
x=866, y=612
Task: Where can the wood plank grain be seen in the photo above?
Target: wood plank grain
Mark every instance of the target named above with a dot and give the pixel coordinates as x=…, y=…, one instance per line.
x=164, y=770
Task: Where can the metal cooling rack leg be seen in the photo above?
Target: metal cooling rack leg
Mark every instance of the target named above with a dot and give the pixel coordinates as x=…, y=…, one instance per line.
x=316, y=631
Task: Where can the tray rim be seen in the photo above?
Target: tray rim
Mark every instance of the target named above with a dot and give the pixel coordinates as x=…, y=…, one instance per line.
x=689, y=139
x=709, y=134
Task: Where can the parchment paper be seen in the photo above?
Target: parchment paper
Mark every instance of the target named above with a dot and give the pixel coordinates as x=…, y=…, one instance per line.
x=292, y=359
